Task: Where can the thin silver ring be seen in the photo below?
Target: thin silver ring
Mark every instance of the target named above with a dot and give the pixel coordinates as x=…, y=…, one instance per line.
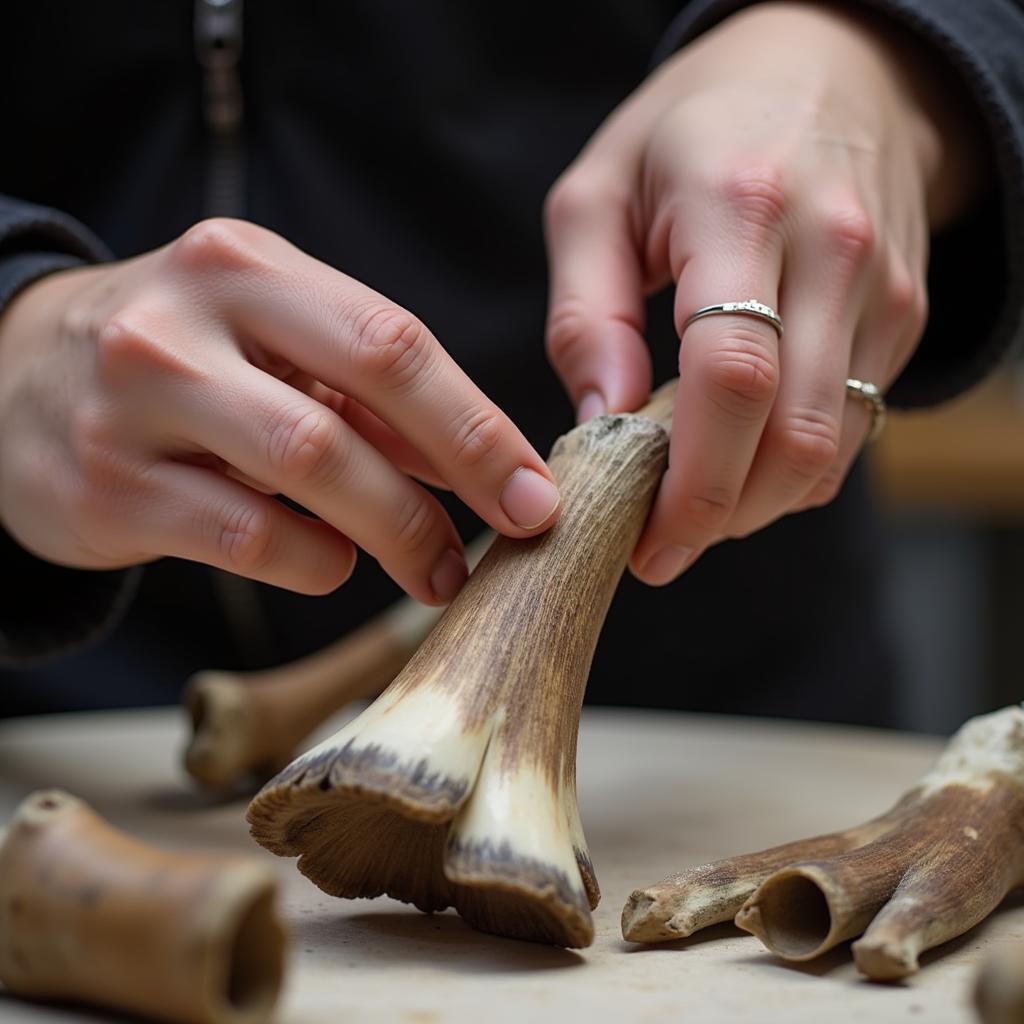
x=867, y=393
x=749, y=308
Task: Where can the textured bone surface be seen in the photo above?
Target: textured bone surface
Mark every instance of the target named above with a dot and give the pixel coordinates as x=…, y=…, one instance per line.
x=92, y=915
x=924, y=872
x=457, y=787
x=250, y=724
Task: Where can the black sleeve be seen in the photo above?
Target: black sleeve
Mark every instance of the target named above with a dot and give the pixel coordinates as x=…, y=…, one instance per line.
x=976, y=273
x=46, y=609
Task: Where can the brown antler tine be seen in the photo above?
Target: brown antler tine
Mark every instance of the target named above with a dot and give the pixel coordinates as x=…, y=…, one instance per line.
x=712, y=893
x=955, y=849
x=457, y=786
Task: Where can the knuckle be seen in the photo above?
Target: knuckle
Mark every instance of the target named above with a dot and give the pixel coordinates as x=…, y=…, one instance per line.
x=214, y=243
x=415, y=525
x=919, y=311
x=476, y=434
x=246, y=539
x=133, y=340
x=742, y=379
x=712, y=509
x=756, y=192
x=392, y=346
x=823, y=492
x=305, y=445
x=900, y=291
x=849, y=231
x=566, y=325
x=572, y=196
x=808, y=445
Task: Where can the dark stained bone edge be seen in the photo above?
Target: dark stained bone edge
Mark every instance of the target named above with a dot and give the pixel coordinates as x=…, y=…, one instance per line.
x=370, y=769
x=483, y=860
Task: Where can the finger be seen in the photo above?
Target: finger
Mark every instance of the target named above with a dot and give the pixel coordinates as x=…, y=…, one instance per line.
x=826, y=274
x=196, y=513
x=304, y=450
x=359, y=343
x=596, y=306
x=728, y=374
x=890, y=331
x=390, y=444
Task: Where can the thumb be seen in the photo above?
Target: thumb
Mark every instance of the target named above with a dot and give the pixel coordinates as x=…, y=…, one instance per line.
x=596, y=306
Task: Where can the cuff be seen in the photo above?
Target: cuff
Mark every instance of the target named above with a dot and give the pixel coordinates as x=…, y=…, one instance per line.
x=976, y=271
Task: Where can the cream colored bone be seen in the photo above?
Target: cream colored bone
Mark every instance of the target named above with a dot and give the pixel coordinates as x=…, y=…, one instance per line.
x=924, y=872
x=251, y=723
x=457, y=787
x=91, y=915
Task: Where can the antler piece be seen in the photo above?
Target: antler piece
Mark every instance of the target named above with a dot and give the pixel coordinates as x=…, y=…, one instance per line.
x=250, y=724
x=999, y=990
x=935, y=865
x=712, y=893
x=90, y=914
x=457, y=787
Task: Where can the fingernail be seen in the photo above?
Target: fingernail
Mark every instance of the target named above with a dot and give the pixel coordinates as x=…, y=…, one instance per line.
x=528, y=499
x=448, y=575
x=665, y=565
x=591, y=404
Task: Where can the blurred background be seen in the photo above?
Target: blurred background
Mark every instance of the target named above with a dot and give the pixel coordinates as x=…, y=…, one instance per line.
x=951, y=484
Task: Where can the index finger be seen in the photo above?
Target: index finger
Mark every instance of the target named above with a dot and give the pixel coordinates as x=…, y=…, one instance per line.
x=362, y=344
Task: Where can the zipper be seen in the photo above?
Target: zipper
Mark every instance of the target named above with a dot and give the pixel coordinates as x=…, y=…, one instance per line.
x=218, y=47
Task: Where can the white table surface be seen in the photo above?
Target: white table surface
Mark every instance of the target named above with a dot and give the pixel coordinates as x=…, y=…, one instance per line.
x=658, y=792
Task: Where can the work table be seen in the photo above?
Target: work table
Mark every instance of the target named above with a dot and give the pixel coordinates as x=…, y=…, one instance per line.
x=658, y=792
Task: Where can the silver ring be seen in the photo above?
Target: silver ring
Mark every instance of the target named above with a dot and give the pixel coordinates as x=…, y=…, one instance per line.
x=867, y=393
x=749, y=308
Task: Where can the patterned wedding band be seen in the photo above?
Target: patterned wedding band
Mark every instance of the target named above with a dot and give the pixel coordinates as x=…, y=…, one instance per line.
x=867, y=393
x=749, y=308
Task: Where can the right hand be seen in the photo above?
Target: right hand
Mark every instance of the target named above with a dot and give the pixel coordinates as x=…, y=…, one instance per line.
x=150, y=407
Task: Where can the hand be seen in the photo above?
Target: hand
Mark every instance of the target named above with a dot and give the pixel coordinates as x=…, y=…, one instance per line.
x=787, y=156
x=150, y=407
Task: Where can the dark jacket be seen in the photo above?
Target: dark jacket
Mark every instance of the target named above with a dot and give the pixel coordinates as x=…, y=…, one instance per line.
x=411, y=146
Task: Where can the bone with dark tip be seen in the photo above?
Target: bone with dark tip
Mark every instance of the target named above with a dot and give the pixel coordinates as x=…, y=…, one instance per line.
x=250, y=724
x=457, y=787
x=926, y=871
x=92, y=915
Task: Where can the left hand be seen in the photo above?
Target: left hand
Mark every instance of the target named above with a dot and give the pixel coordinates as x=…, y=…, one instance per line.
x=790, y=155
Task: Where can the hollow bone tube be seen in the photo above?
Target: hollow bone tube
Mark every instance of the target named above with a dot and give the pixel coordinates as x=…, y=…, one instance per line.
x=457, y=787
x=90, y=914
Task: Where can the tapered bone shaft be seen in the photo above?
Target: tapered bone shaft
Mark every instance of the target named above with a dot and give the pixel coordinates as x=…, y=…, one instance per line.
x=925, y=872
x=457, y=786
x=92, y=915
x=251, y=724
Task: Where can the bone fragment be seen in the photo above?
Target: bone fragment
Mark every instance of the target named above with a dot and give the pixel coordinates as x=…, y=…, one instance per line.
x=92, y=915
x=251, y=723
x=926, y=871
x=457, y=787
